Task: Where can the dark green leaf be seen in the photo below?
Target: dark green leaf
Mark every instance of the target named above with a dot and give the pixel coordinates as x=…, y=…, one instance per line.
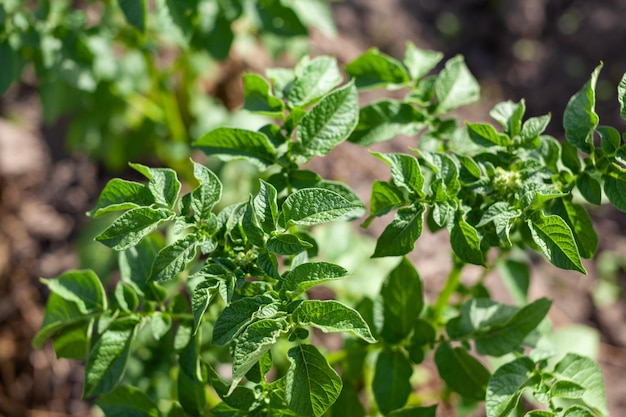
x=10, y=65
x=332, y=316
x=83, y=288
x=308, y=275
x=127, y=401
x=59, y=314
x=280, y=20
x=455, y=86
x=400, y=235
x=207, y=194
x=311, y=206
x=465, y=242
x=286, y=244
x=72, y=342
x=191, y=395
x=486, y=135
x=136, y=266
x=162, y=183
x=402, y=300
x=314, y=79
x=385, y=197
x=580, y=119
x=312, y=385
x=258, y=97
x=405, y=171
x=327, y=124
x=107, y=360
x=135, y=12
x=201, y=295
x=384, y=120
x=236, y=316
x=581, y=225
x=507, y=384
x=610, y=139
x=419, y=62
x=462, y=372
x=586, y=373
x=569, y=156
x=348, y=403
x=615, y=186
x=556, y=241
x=374, y=69
x=590, y=188
x=231, y=143
x=173, y=259
x=266, y=207
x=414, y=412
x=119, y=194
x=391, y=383
x=131, y=227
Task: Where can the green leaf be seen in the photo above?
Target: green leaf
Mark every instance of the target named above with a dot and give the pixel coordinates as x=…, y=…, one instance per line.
x=507, y=384
x=173, y=259
x=160, y=324
x=72, y=342
x=266, y=207
x=310, y=274
x=348, y=403
x=127, y=401
x=590, y=188
x=566, y=389
x=621, y=96
x=200, y=298
x=280, y=20
x=207, y=194
x=375, y=69
x=405, y=171
x=556, y=241
x=59, y=314
x=136, y=267
x=311, y=206
x=327, y=124
x=10, y=66
x=312, y=385
x=258, y=97
x=414, y=412
x=486, y=135
x=125, y=297
x=236, y=316
x=286, y=244
x=533, y=128
x=316, y=78
x=509, y=115
x=586, y=373
x=462, y=372
x=162, y=183
x=403, y=301
x=569, y=156
x=580, y=119
x=400, y=235
x=231, y=143
x=385, y=119
x=385, y=197
x=252, y=343
x=465, y=242
x=83, y=288
x=419, y=62
x=610, y=139
x=578, y=411
x=332, y=316
x=539, y=413
x=131, y=227
x=581, y=225
x=107, y=360
x=516, y=278
x=455, y=86
x=119, y=194
x=503, y=217
x=615, y=186
x=391, y=383
x=191, y=394
x=135, y=12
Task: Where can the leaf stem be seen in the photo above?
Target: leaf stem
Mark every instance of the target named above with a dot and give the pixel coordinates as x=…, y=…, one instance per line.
x=452, y=283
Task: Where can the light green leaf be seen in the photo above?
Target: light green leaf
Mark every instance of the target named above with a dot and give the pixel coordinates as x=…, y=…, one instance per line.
x=83, y=288
x=316, y=78
x=615, y=186
x=586, y=373
x=310, y=274
x=578, y=411
x=486, y=135
x=132, y=226
x=580, y=119
x=236, y=316
x=384, y=120
x=286, y=244
x=230, y=143
x=405, y=171
x=566, y=389
x=163, y=183
x=125, y=297
x=590, y=188
x=252, y=343
x=532, y=129
x=59, y=314
x=207, y=194
x=507, y=384
x=391, y=383
x=581, y=225
x=135, y=12
x=327, y=124
x=312, y=385
x=455, y=86
x=402, y=300
x=375, y=69
x=400, y=235
x=107, y=360
x=332, y=316
x=119, y=194
x=266, y=207
x=173, y=259
x=311, y=206
x=539, y=413
x=509, y=115
x=419, y=62
x=465, y=242
x=127, y=401
x=556, y=241
x=160, y=323
x=621, y=96
x=462, y=372
x=516, y=278
x=258, y=97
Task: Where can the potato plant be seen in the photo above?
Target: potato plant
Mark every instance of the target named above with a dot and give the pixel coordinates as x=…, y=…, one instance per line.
x=213, y=312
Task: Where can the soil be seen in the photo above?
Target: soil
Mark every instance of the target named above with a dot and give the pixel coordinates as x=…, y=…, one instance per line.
x=541, y=50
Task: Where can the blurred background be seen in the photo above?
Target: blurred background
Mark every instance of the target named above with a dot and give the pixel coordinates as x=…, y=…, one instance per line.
x=83, y=92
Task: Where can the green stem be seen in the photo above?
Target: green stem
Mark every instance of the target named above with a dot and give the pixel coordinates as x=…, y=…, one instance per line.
x=452, y=283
